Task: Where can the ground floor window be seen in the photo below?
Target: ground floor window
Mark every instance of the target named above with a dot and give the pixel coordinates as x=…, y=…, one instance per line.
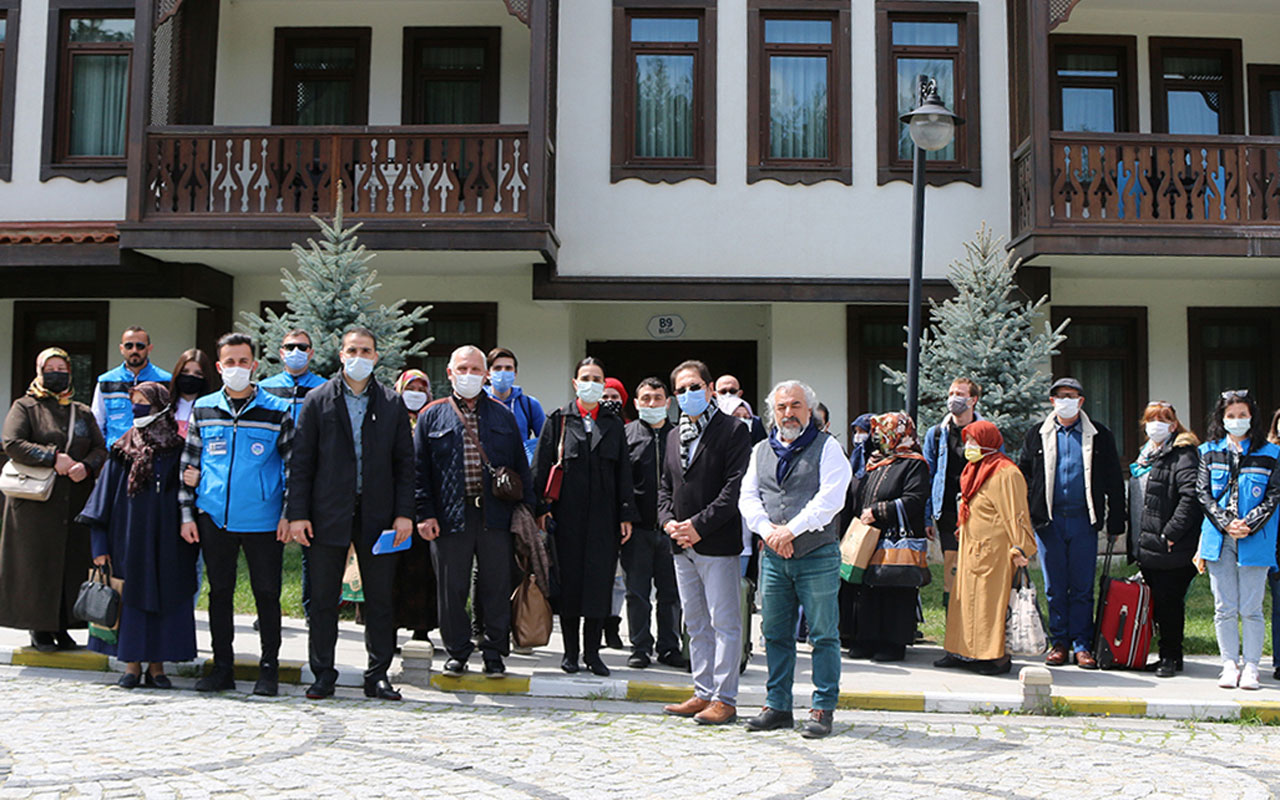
x=1231, y=348
x=877, y=335
x=453, y=325
x=78, y=328
x=1106, y=350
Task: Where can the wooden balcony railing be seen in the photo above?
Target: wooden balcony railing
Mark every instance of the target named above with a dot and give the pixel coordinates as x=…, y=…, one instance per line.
x=444, y=173
x=1153, y=180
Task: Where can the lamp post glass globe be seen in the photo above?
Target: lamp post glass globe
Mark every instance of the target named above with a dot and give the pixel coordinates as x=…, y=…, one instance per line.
x=932, y=131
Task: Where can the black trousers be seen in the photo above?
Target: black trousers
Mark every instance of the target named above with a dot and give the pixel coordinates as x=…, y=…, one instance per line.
x=647, y=562
x=377, y=576
x=452, y=555
x=264, y=555
x=1169, y=605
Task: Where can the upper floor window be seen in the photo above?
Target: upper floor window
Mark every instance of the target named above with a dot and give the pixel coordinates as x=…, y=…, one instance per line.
x=93, y=87
x=798, y=91
x=664, y=91
x=1196, y=86
x=9, y=10
x=920, y=42
x=451, y=76
x=1093, y=87
x=321, y=76
x=1264, y=99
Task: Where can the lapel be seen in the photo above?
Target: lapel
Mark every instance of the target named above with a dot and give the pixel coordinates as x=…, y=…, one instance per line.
x=344, y=418
x=703, y=440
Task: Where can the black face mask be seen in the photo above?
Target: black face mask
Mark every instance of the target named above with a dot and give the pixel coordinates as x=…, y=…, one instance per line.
x=56, y=382
x=191, y=384
x=612, y=406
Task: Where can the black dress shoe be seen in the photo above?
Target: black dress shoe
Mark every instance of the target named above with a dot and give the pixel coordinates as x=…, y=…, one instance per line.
x=160, y=681
x=569, y=665
x=222, y=679
x=43, y=641
x=672, y=658
x=454, y=667
x=268, y=683
x=596, y=666
x=997, y=666
x=319, y=690
x=817, y=725
x=494, y=668
x=638, y=660
x=129, y=680
x=949, y=661
x=771, y=719
x=381, y=690
x=63, y=641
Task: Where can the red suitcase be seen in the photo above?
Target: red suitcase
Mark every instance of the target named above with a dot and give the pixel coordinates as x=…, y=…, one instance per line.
x=1124, y=623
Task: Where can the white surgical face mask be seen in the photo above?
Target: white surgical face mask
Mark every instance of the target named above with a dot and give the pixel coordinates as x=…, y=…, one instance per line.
x=414, y=400
x=859, y=438
x=467, y=386
x=589, y=391
x=1158, y=431
x=357, y=368
x=1237, y=427
x=1066, y=407
x=142, y=422
x=236, y=378
x=652, y=415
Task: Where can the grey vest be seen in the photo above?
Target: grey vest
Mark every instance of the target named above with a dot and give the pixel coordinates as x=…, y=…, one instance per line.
x=782, y=502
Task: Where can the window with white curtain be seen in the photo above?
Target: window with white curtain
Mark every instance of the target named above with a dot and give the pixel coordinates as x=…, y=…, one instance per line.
x=97, y=54
x=322, y=76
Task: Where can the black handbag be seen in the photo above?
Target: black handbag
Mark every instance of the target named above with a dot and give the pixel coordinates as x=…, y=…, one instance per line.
x=98, y=602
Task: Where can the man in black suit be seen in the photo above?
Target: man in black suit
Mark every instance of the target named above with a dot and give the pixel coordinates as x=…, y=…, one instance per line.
x=707, y=455
x=351, y=477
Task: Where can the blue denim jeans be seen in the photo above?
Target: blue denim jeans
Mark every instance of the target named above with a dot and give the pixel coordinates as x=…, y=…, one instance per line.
x=1069, y=555
x=812, y=581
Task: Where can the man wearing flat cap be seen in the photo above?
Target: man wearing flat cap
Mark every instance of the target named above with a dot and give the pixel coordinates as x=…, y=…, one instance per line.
x=1074, y=488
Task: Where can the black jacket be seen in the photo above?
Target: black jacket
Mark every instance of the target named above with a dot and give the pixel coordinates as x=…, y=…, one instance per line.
x=1108, y=483
x=438, y=443
x=707, y=493
x=645, y=447
x=905, y=479
x=1171, y=513
x=322, y=468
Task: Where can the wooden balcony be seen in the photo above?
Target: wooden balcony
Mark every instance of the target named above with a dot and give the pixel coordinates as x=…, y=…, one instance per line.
x=427, y=187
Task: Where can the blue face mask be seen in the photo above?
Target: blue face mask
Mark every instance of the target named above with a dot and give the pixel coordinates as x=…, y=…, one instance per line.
x=693, y=403
x=502, y=380
x=296, y=359
x=141, y=410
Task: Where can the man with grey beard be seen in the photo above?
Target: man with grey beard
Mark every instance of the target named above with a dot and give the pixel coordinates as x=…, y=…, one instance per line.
x=792, y=495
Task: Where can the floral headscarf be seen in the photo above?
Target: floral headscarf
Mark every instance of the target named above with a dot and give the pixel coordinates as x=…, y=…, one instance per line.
x=159, y=433
x=409, y=376
x=893, y=436
x=36, y=388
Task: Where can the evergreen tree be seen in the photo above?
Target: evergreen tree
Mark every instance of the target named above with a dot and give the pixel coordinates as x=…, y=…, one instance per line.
x=332, y=292
x=984, y=334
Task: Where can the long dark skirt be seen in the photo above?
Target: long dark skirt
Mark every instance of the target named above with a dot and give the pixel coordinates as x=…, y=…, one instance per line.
x=883, y=614
x=144, y=636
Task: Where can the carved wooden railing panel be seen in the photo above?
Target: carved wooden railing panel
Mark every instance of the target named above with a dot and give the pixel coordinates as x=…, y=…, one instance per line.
x=1023, y=184
x=1160, y=179
x=438, y=172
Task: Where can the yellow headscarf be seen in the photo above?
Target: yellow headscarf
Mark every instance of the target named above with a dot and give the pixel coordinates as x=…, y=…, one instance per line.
x=37, y=390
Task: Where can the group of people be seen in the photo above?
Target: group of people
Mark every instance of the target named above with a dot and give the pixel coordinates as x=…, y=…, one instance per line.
x=699, y=501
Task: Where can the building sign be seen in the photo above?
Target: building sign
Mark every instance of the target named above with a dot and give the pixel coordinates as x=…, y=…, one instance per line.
x=666, y=326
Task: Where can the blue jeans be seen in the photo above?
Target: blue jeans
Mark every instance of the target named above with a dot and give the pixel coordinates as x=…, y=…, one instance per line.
x=1069, y=555
x=813, y=581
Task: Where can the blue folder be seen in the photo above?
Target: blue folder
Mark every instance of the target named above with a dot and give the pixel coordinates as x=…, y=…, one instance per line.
x=386, y=543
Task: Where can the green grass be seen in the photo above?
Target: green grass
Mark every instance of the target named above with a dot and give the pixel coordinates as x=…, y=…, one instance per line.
x=290, y=588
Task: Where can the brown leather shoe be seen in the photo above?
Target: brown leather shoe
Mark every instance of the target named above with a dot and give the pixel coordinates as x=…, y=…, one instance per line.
x=688, y=708
x=1057, y=656
x=1085, y=660
x=717, y=713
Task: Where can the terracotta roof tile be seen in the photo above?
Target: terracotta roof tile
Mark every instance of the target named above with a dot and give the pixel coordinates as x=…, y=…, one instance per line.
x=58, y=233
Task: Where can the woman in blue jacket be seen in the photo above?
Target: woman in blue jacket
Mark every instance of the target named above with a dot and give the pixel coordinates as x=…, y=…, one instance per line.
x=1239, y=488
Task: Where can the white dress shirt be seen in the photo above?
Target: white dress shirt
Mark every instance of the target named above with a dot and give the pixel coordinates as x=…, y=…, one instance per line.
x=834, y=476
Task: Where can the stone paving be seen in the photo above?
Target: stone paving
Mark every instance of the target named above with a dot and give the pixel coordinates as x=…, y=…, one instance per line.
x=78, y=738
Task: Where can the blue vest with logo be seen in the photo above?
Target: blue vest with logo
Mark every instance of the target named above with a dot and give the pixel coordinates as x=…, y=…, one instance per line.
x=291, y=390
x=242, y=473
x=114, y=388
x=1258, y=549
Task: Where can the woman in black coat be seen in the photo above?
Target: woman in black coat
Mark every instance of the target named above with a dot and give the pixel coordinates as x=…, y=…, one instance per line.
x=587, y=447
x=891, y=497
x=1164, y=529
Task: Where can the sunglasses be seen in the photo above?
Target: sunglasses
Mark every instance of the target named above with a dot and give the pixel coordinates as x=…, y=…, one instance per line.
x=1235, y=394
x=730, y=391
x=134, y=346
x=296, y=346
x=1160, y=403
x=693, y=387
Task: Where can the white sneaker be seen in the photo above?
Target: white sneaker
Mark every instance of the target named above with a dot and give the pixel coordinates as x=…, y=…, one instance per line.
x=1249, y=677
x=1230, y=675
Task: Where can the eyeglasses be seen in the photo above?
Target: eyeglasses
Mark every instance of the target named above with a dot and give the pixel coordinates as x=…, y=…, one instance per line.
x=693, y=387
x=134, y=345
x=295, y=346
x=1235, y=394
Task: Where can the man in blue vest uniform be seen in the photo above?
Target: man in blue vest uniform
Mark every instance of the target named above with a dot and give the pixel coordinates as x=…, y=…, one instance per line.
x=530, y=417
x=292, y=386
x=111, y=404
x=239, y=441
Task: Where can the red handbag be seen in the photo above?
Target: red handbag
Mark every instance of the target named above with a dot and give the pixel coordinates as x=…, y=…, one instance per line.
x=555, y=476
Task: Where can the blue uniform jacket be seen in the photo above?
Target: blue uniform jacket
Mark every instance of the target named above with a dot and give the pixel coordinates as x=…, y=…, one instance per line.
x=112, y=405
x=1257, y=493
x=292, y=390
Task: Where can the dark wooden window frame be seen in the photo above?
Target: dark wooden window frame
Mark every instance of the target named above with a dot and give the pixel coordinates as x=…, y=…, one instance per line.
x=1262, y=78
x=486, y=313
x=1136, y=379
x=858, y=354
x=490, y=83
x=1227, y=49
x=282, y=112
x=624, y=163
x=57, y=96
x=1125, y=48
x=1269, y=360
x=839, y=166
x=967, y=168
x=8, y=84
x=27, y=312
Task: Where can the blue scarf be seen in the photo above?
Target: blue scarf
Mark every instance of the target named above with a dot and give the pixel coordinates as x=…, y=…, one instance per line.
x=858, y=455
x=788, y=453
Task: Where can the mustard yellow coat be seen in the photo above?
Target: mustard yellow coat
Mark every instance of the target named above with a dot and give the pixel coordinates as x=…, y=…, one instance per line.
x=999, y=521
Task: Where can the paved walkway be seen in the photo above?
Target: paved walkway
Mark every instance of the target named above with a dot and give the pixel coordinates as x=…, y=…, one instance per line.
x=75, y=738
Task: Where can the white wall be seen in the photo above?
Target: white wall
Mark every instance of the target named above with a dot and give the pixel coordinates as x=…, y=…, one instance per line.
x=24, y=198
x=246, y=45
x=808, y=344
x=171, y=324
x=765, y=229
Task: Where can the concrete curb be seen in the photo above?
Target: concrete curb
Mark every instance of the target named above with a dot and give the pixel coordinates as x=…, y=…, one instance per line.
x=593, y=688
